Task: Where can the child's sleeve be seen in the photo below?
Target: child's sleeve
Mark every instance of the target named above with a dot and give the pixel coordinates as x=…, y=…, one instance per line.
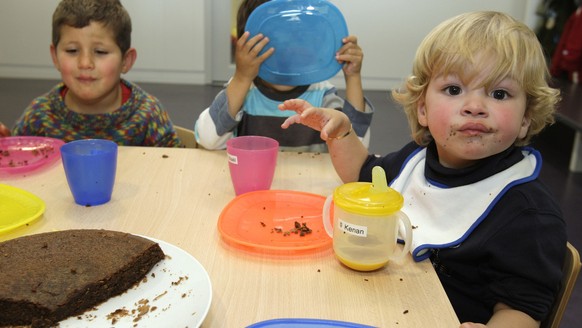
x=215, y=125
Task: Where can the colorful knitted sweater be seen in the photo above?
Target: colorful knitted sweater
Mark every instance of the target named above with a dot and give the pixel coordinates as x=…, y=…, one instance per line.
x=140, y=121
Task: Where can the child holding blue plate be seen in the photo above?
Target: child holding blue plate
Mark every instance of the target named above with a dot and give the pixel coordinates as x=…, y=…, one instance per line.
x=248, y=104
x=496, y=237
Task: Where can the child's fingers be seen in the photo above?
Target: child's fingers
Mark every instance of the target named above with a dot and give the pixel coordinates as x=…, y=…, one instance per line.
x=349, y=42
x=266, y=54
x=297, y=105
x=252, y=45
x=350, y=38
x=294, y=119
x=256, y=44
x=242, y=40
x=350, y=56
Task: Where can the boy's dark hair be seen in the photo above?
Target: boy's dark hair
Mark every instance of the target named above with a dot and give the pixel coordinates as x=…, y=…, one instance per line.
x=80, y=13
x=244, y=11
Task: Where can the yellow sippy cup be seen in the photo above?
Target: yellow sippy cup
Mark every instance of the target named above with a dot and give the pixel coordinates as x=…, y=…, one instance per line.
x=366, y=220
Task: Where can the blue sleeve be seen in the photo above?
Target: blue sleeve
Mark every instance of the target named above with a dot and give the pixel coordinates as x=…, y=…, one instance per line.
x=360, y=120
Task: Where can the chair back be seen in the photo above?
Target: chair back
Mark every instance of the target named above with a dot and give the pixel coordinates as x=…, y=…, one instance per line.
x=186, y=136
x=570, y=273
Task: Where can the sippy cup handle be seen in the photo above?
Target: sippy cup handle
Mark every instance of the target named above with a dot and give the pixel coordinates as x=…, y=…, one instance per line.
x=408, y=236
x=326, y=217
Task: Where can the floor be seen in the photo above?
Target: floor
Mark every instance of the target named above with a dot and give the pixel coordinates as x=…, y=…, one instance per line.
x=389, y=132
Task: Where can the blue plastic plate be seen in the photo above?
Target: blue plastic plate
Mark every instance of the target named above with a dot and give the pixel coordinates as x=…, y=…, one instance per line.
x=306, y=35
x=307, y=323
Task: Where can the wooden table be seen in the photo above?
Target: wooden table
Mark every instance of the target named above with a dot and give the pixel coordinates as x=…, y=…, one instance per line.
x=176, y=195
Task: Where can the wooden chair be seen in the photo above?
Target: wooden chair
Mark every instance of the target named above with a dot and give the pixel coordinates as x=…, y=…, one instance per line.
x=186, y=136
x=570, y=274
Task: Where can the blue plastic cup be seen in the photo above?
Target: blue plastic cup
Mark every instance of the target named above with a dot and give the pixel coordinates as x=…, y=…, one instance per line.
x=90, y=167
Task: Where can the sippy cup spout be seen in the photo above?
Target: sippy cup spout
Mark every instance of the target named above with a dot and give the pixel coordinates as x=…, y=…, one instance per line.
x=379, y=183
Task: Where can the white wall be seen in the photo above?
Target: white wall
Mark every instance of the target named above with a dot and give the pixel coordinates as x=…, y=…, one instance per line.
x=389, y=31
x=169, y=36
x=172, y=37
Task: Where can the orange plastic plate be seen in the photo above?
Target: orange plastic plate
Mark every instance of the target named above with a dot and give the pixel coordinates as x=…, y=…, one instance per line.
x=265, y=220
x=18, y=207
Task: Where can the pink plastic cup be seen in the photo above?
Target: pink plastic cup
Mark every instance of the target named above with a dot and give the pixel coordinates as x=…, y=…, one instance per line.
x=252, y=161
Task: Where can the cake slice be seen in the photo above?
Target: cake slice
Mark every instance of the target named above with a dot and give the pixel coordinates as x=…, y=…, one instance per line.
x=47, y=277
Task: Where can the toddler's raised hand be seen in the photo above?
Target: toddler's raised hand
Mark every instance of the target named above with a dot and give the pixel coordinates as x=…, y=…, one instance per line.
x=330, y=122
x=247, y=56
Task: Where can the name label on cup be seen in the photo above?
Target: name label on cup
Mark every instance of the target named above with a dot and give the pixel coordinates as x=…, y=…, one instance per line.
x=352, y=229
x=232, y=159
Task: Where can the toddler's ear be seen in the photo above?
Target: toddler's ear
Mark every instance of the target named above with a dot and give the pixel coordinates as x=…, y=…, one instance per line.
x=421, y=113
x=525, y=123
x=129, y=59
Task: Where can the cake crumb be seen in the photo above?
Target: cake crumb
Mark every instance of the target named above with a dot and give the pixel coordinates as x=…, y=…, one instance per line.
x=117, y=314
x=160, y=296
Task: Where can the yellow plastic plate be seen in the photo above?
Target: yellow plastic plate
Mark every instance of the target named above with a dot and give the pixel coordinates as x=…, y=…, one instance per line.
x=18, y=207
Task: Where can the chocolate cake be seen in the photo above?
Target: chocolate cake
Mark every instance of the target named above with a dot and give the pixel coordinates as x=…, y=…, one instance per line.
x=45, y=278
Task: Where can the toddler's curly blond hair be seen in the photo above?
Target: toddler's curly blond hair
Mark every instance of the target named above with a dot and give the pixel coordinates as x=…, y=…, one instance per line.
x=454, y=46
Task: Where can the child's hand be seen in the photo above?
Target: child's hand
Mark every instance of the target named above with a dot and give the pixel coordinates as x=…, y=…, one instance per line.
x=350, y=55
x=247, y=57
x=331, y=122
x=4, y=131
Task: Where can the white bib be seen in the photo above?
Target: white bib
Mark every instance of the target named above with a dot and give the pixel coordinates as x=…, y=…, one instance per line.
x=444, y=217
